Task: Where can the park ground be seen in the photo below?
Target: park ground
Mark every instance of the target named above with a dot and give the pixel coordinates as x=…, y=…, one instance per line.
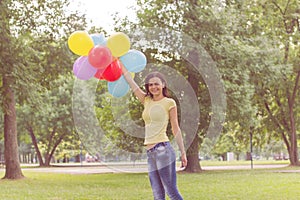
x=122, y=181
x=141, y=167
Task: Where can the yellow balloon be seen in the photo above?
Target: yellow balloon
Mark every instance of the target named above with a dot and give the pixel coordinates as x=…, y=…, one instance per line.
x=118, y=44
x=80, y=43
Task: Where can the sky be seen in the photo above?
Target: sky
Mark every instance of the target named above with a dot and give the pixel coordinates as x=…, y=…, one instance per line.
x=101, y=11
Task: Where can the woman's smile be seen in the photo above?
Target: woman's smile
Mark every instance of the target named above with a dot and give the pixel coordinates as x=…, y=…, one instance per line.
x=155, y=86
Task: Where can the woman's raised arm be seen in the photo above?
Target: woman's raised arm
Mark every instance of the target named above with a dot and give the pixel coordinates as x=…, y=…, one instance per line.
x=138, y=92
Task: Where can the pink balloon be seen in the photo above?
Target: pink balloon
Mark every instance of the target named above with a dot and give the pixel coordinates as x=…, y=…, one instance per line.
x=82, y=69
x=100, y=57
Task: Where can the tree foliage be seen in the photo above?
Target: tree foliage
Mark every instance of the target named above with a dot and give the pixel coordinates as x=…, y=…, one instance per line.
x=51, y=122
x=32, y=55
x=255, y=45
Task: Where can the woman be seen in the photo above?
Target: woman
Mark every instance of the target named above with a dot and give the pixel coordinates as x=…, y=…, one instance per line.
x=159, y=109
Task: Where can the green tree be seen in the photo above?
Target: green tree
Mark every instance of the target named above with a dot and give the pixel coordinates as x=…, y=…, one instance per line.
x=280, y=101
x=276, y=78
x=255, y=45
x=181, y=16
x=23, y=22
x=50, y=123
x=263, y=37
x=8, y=64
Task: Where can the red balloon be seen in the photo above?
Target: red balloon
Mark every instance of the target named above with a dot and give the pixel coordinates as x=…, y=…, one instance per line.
x=99, y=73
x=100, y=57
x=113, y=71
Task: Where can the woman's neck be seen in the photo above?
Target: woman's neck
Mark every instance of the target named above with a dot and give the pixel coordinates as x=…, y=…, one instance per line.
x=158, y=97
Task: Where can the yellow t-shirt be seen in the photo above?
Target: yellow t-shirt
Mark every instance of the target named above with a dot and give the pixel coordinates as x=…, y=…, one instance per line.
x=156, y=118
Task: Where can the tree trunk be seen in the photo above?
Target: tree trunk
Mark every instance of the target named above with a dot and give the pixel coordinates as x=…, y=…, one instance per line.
x=193, y=165
x=35, y=144
x=193, y=157
x=50, y=155
x=47, y=160
x=293, y=153
x=11, y=154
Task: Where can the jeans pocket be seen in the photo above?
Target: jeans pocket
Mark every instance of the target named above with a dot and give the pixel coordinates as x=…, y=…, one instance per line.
x=163, y=157
x=162, y=152
x=160, y=148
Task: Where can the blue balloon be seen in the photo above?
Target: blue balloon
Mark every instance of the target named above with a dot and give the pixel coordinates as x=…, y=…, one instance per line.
x=118, y=88
x=134, y=60
x=98, y=39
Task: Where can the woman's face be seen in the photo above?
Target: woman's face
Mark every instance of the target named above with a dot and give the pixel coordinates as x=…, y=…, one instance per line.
x=155, y=86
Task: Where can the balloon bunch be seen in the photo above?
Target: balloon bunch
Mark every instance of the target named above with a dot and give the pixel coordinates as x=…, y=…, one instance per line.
x=103, y=58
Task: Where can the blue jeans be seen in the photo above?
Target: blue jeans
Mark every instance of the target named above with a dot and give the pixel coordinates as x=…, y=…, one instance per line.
x=162, y=171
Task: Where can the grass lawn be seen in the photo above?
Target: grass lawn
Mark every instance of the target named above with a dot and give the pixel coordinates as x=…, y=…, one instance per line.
x=243, y=162
x=210, y=185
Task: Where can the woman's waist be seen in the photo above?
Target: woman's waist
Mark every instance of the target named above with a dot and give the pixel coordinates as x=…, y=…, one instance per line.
x=152, y=147
x=152, y=140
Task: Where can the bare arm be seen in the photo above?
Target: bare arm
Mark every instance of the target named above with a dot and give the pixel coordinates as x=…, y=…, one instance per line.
x=138, y=92
x=178, y=136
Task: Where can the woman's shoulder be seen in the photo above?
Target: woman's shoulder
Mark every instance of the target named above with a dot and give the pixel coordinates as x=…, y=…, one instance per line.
x=169, y=102
x=169, y=99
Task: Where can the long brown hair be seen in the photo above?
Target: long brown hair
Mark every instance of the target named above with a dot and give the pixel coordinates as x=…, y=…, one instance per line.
x=163, y=80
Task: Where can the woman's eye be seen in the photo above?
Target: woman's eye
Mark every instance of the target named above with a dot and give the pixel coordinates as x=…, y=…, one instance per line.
x=152, y=84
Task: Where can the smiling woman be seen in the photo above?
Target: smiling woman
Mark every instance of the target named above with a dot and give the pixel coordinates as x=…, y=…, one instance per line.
x=100, y=13
x=159, y=110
